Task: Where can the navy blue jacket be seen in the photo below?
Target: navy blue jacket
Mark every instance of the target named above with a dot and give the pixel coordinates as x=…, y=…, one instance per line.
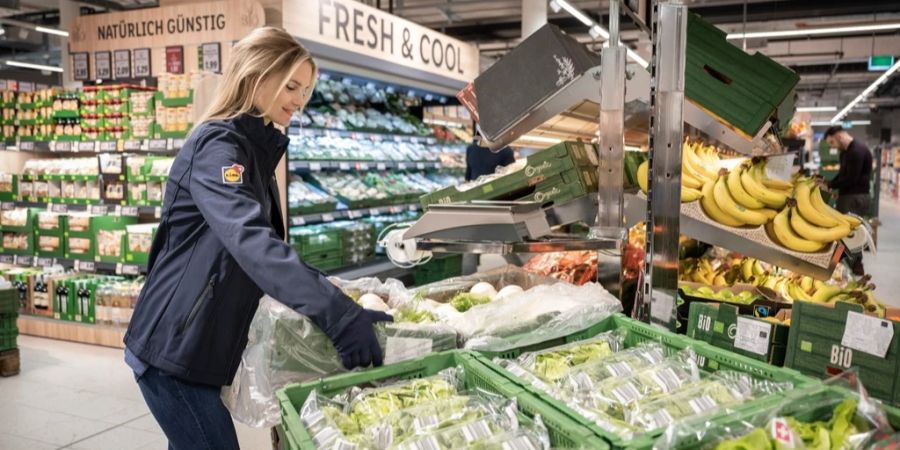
x=219, y=247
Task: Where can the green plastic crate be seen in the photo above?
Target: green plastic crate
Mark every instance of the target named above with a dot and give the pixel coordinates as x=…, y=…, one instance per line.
x=709, y=358
x=564, y=432
x=8, y=339
x=717, y=324
x=438, y=269
x=8, y=321
x=815, y=349
x=9, y=301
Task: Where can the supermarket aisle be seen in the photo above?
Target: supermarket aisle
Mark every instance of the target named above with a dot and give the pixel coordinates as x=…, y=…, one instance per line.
x=883, y=266
x=83, y=397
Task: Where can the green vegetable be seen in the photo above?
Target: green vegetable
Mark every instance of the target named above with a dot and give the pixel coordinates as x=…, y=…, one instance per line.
x=700, y=398
x=414, y=315
x=614, y=395
x=815, y=436
x=841, y=423
x=464, y=301
x=552, y=364
x=583, y=377
x=431, y=416
x=758, y=439
x=372, y=406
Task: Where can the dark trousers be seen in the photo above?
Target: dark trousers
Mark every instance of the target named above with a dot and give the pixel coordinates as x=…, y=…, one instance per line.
x=857, y=204
x=191, y=415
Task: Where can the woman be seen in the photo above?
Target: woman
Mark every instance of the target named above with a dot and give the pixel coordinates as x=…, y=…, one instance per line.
x=220, y=246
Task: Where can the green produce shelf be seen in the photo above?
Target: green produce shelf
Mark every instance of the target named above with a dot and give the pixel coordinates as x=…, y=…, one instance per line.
x=564, y=432
x=709, y=358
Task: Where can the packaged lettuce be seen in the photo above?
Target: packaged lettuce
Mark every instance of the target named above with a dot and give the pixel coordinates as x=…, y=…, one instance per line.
x=370, y=406
x=514, y=368
x=552, y=364
x=329, y=426
x=703, y=397
x=584, y=377
x=486, y=433
x=428, y=417
x=613, y=396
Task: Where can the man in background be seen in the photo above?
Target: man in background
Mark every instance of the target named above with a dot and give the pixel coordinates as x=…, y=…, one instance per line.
x=482, y=161
x=852, y=181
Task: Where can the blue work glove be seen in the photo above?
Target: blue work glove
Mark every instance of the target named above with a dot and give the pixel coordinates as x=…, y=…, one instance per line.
x=357, y=344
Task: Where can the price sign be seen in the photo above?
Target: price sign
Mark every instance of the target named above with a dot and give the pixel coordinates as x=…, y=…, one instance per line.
x=157, y=212
x=131, y=211
x=315, y=167
x=99, y=210
x=108, y=146
x=44, y=262
x=157, y=145
x=87, y=146
x=362, y=166
x=7, y=259
x=6, y=206
x=413, y=208
x=420, y=166
x=141, y=62
x=81, y=66
x=59, y=208
x=122, y=64
x=128, y=269
x=26, y=86
x=354, y=214
x=344, y=166
x=131, y=146
x=61, y=146
x=374, y=212
x=26, y=145
x=25, y=261
x=175, y=59
x=211, y=57
x=85, y=266
x=868, y=334
x=381, y=166
x=298, y=221
x=177, y=143
x=662, y=306
x=103, y=65
x=327, y=217
x=401, y=166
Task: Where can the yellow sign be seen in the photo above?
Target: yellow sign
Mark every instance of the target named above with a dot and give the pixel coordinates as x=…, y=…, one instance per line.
x=233, y=174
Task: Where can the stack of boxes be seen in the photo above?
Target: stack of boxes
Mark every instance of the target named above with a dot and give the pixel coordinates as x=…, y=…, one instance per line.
x=558, y=174
x=17, y=227
x=34, y=115
x=9, y=308
x=139, y=239
x=358, y=240
x=320, y=246
x=8, y=115
x=66, y=117
x=50, y=231
x=174, y=99
x=68, y=180
x=106, y=112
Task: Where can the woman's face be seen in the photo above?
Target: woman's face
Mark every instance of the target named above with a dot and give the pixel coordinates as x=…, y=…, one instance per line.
x=279, y=104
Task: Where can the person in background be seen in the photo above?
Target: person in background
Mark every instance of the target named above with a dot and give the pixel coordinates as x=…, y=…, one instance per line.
x=852, y=180
x=482, y=161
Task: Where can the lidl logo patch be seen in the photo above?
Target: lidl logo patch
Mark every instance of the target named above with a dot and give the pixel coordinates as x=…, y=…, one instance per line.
x=233, y=174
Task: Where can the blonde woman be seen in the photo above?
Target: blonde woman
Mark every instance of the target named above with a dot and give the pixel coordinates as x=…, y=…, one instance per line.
x=220, y=246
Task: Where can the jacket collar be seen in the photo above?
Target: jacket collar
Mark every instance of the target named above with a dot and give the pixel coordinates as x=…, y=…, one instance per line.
x=274, y=142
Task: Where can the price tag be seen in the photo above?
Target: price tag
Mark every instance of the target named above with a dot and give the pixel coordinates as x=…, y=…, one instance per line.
x=414, y=208
x=868, y=334
x=753, y=335
x=374, y=212
x=157, y=145
x=26, y=146
x=177, y=143
x=382, y=166
x=99, y=210
x=87, y=146
x=780, y=167
x=128, y=269
x=80, y=67
x=59, y=208
x=298, y=221
x=327, y=217
x=141, y=62
x=315, y=167
x=7, y=259
x=344, y=166
x=25, y=261
x=157, y=212
x=132, y=145
x=85, y=266
x=108, y=146
x=662, y=305
x=6, y=206
x=44, y=262
x=354, y=214
x=362, y=166
x=61, y=146
x=210, y=57
x=131, y=211
x=401, y=166
x=420, y=166
x=122, y=64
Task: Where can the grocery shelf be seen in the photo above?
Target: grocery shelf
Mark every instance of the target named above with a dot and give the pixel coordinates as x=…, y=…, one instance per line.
x=359, y=165
x=380, y=267
x=297, y=129
x=97, y=209
x=342, y=214
x=76, y=265
x=130, y=145
x=105, y=335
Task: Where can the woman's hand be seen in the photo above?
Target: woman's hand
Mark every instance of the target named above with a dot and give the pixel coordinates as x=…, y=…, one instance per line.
x=357, y=344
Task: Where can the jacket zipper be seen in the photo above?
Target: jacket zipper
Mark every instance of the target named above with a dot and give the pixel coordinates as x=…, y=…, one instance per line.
x=199, y=303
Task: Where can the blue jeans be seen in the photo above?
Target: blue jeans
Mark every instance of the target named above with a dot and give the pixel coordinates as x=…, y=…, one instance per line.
x=191, y=415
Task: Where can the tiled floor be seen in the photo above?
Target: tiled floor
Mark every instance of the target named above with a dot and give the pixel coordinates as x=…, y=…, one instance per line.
x=81, y=397
x=84, y=397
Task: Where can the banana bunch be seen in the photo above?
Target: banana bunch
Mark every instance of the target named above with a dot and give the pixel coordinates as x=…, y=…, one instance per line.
x=742, y=270
x=744, y=196
x=699, y=163
x=808, y=224
x=805, y=289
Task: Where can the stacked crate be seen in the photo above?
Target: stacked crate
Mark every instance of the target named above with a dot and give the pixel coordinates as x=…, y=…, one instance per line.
x=9, y=308
x=319, y=246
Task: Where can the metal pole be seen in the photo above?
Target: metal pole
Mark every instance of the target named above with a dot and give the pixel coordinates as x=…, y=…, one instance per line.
x=611, y=141
x=666, y=137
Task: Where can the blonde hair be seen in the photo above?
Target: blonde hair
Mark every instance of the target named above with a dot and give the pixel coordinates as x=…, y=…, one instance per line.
x=264, y=53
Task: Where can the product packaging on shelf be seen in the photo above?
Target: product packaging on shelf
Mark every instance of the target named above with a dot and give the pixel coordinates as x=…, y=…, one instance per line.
x=139, y=239
x=722, y=325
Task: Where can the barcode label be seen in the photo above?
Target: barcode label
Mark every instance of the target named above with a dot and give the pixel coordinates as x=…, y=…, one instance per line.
x=100, y=210
x=313, y=419
x=87, y=146
x=132, y=211
x=325, y=436
x=315, y=167
x=344, y=445
x=327, y=218
x=519, y=443
x=583, y=382
x=653, y=356
x=702, y=403
x=659, y=419
x=476, y=431
x=619, y=369
x=424, y=423
x=428, y=443
x=626, y=393
x=667, y=380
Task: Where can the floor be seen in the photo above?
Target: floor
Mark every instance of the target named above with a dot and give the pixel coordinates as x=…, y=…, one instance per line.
x=84, y=397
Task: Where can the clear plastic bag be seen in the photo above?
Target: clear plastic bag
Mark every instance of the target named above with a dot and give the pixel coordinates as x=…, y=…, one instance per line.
x=443, y=291
x=838, y=414
x=369, y=406
x=487, y=433
x=552, y=364
x=585, y=377
x=328, y=425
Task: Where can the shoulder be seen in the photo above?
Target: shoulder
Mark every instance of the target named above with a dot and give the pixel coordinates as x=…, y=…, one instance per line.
x=215, y=134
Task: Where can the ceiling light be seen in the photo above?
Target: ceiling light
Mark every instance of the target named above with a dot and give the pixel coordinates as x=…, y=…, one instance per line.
x=548, y=140
x=34, y=66
x=866, y=92
x=816, y=108
x=52, y=31
x=815, y=31
x=828, y=124
x=598, y=33
x=595, y=29
x=575, y=12
x=554, y=6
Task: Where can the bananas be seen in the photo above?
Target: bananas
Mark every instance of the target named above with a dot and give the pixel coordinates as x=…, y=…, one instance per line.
x=819, y=204
x=736, y=188
x=784, y=234
x=817, y=234
x=690, y=186
x=642, y=176
x=730, y=207
x=690, y=194
x=810, y=213
x=711, y=208
x=751, y=181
